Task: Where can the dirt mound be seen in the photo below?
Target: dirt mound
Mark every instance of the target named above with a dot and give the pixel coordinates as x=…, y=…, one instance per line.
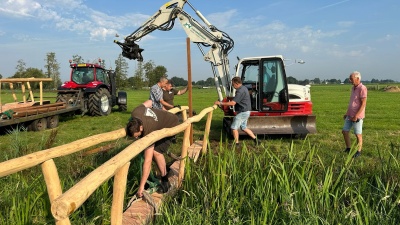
x=392, y=89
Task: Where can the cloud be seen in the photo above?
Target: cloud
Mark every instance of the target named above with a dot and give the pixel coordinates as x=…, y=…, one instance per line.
x=221, y=19
x=346, y=24
x=281, y=37
x=387, y=37
x=20, y=8
x=63, y=15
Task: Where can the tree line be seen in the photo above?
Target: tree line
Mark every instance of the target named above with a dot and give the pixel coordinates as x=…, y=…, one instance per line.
x=145, y=75
x=292, y=80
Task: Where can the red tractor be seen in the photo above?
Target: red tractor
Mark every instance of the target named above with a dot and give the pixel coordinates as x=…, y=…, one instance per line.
x=93, y=88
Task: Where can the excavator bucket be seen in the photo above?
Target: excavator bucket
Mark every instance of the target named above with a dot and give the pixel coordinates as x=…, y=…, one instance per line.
x=296, y=125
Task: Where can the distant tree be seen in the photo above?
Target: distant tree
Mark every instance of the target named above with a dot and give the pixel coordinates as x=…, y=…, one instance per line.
x=21, y=68
x=346, y=81
x=200, y=83
x=30, y=72
x=305, y=82
x=210, y=81
x=292, y=80
x=154, y=73
x=179, y=81
x=34, y=72
x=1, y=76
x=317, y=81
x=103, y=63
x=147, y=68
x=158, y=72
x=121, y=71
x=334, y=81
x=387, y=81
x=52, y=70
x=77, y=59
x=137, y=81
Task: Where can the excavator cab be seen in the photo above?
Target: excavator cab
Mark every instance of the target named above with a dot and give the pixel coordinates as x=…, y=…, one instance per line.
x=266, y=80
x=273, y=112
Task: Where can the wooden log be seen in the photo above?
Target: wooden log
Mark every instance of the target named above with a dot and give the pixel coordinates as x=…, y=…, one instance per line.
x=185, y=145
x=117, y=208
x=76, y=195
x=19, y=113
x=206, y=133
x=99, y=149
x=53, y=184
x=139, y=211
x=37, y=106
x=27, y=161
x=19, y=80
x=23, y=92
x=13, y=93
x=15, y=105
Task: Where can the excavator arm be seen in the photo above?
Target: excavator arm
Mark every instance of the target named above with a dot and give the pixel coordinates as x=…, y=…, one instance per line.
x=205, y=36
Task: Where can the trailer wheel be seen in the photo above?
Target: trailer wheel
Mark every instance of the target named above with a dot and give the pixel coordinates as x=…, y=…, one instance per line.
x=99, y=103
x=52, y=121
x=38, y=125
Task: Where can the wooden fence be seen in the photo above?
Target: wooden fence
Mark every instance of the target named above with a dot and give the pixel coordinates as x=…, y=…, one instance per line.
x=64, y=204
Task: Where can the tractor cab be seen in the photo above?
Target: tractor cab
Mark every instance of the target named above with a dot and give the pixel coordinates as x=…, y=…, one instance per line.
x=88, y=75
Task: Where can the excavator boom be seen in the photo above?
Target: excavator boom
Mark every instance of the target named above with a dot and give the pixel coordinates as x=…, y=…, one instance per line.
x=206, y=35
x=273, y=109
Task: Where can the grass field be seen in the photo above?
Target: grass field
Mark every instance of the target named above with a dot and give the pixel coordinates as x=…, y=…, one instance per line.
x=283, y=181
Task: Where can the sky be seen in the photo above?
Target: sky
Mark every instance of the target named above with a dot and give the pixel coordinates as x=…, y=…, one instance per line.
x=333, y=37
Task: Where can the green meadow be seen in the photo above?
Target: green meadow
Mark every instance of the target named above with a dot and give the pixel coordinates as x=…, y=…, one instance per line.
x=282, y=181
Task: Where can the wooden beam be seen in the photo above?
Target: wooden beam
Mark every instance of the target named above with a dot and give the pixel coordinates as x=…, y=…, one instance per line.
x=117, y=208
x=27, y=161
x=18, y=80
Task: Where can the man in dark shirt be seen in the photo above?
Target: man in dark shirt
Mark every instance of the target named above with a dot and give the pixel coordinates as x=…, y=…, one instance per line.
x=145, y=120
x=169, y=93
x=242, y=104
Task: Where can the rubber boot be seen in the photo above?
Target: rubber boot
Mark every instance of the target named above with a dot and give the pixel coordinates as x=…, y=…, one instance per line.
x=165, y=185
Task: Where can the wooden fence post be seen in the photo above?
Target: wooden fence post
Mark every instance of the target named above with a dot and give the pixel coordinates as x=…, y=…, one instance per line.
x=185, y=146
x=117, y=208
x=53, y=184
x=206, y=133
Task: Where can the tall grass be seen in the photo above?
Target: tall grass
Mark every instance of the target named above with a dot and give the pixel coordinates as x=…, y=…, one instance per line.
x=282, y=181
x=290, y=186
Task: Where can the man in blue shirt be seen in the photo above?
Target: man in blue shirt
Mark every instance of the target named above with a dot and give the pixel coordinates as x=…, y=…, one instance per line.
x=156, y=93
x=242, y=104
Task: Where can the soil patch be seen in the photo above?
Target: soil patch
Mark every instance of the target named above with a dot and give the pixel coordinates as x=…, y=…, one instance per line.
x=391, y=89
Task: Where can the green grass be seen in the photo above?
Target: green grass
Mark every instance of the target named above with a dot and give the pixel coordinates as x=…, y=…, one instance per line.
x=284, y=181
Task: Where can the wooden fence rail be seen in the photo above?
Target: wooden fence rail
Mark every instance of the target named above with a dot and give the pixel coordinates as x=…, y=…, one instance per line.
x=64, y=204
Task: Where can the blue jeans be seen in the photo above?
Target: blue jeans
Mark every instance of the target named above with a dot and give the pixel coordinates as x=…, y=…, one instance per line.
x=348, y=124
x=240, y=120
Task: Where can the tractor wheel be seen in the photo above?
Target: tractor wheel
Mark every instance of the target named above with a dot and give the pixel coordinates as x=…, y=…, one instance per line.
x=38, y=125
x=52, y=121
x=99, y=103
x=122, y=108
x=67, y=98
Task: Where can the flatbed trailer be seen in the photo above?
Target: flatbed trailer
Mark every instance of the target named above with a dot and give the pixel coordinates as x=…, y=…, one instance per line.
x=34, y=115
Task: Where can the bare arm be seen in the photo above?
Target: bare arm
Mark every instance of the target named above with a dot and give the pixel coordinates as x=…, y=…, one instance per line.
x=231, y=103
x=165, y=104
x=183, y=91
x=148, y=103
x=362, y=107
